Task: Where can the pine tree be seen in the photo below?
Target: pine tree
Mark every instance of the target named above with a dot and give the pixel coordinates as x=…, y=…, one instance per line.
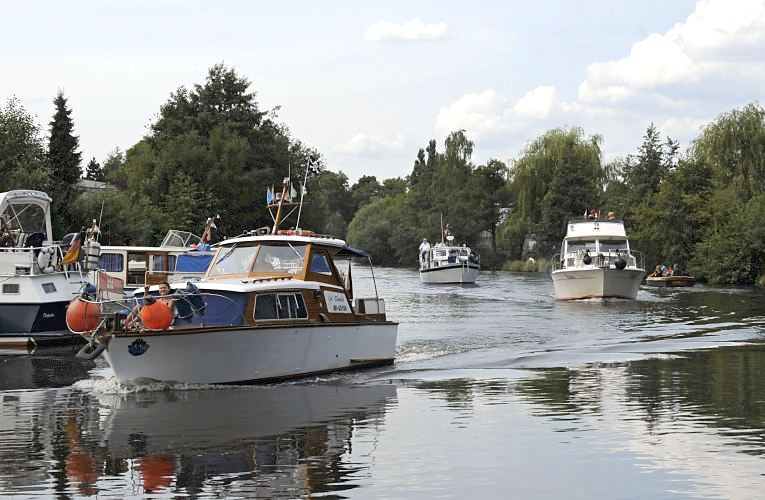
x=93, y=171
x=65, y=162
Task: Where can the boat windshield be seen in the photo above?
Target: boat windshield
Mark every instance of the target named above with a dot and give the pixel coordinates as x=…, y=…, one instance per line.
x=27, y=217
x=577, y=245
x=607, y=246
x=280, y=258
x=234, y=260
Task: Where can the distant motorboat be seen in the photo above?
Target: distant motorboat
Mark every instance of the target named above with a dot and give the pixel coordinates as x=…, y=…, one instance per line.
x=596, y=261
x=35, y=288
x=447, y=262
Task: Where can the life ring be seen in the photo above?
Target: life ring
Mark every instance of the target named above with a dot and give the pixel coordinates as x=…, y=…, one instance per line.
x=47, y=260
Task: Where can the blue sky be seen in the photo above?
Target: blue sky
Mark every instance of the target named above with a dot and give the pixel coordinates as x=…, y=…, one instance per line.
x=369, y=83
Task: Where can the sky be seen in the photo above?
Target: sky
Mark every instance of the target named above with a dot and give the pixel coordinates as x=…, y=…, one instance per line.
x=370, y=83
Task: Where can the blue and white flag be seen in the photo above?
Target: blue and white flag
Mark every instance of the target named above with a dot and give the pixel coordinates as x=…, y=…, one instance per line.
x=269, y=196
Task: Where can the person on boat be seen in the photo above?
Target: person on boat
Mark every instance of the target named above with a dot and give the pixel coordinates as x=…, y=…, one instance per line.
x=656, y=272
x=424, y=249
x=669, y=272
x=676, y=270
x=164, y=292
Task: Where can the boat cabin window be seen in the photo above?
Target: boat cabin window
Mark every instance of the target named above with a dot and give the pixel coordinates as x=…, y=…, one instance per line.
x=137, y=266
x=11, y=288
x=270, y=306
x=612, y=245
x=320, y=264
x=464, y=252
x=577, y=245
x=279, y=258
x=162, y=263
x=111, y=262
x=234, y=260
x=439, y=253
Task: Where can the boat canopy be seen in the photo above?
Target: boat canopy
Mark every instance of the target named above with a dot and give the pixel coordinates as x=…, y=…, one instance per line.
x=348, y=250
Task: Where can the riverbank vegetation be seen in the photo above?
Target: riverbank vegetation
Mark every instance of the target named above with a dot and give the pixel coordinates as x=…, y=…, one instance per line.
x=212, y=150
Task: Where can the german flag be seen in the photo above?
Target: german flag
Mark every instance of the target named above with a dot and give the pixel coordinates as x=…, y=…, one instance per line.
x=74, y=250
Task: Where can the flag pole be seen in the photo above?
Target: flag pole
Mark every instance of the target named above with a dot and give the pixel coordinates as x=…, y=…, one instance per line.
x=302, y=189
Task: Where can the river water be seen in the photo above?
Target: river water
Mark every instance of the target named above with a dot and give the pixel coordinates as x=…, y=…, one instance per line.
x=498, y=391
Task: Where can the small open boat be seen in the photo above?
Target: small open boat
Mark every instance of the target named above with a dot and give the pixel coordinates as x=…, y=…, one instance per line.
x=669, y=281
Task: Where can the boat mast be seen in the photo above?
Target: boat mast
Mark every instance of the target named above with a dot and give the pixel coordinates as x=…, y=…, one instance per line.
x=281, y=203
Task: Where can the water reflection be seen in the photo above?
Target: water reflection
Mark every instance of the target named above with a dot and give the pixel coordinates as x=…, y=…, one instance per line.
x=41, y=367
x=257, y=441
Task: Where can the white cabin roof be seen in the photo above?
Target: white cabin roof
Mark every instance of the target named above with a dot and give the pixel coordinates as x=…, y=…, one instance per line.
x=593, y=229
x=283, y=238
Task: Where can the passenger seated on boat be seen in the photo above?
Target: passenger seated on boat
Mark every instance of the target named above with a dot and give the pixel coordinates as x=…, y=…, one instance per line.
x=6, y=233
x=656, y=272
x=670, y=272
x=164, y=289
x=676, y=270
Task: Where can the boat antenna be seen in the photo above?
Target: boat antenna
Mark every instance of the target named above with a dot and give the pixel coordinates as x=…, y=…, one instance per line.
x=442, y=228
x=302, y=193
x=100, y=217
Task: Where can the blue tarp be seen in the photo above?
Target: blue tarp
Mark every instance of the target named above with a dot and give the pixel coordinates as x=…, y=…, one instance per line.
x=192, y=263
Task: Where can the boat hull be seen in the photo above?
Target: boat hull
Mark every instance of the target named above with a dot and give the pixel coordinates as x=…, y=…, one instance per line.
x=37, y=315
x=456, y=273
x=246, y=355
x=597, y=283
x=670, y=281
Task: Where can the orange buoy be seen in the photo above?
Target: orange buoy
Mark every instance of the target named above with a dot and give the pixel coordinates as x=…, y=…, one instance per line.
x=157, y=471
x=82, y=316
x=157, y=316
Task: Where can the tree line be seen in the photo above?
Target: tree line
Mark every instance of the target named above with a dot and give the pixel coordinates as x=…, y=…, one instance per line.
x=212, y=150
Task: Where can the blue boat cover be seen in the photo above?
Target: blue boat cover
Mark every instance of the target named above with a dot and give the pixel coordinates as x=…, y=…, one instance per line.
x=192, y=263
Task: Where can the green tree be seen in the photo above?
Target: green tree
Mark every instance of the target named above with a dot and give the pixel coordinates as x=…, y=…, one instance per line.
x=216, y=135
x=65, y=162
x=558, y=176
x=94, y=171
x=734, y=147
x=23, y=162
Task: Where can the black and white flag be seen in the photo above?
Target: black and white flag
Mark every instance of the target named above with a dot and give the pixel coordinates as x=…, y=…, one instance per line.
x=313, y=166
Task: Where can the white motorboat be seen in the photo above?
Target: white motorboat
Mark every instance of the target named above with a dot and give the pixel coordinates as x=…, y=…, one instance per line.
x=272, y=305
x=447, y=262
x=35, y=288
x=596, y=261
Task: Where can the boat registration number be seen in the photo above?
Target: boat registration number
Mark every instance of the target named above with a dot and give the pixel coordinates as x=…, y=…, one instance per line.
x=336, y=302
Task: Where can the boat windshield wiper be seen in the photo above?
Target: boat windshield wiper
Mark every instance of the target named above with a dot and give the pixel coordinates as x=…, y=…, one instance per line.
x=227, y=255
x=296, y=252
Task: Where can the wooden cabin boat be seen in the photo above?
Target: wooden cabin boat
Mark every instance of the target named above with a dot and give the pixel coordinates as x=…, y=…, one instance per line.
x=35, y=288
x=596, y=261
x=272, y=305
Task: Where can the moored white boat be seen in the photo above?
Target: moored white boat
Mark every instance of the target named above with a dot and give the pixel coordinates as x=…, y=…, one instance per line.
x=596, y=261
x=35, y=287
x=272, y=305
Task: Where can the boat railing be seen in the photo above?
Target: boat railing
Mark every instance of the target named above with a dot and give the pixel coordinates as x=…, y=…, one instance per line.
x=23, y=261
x=119, y=315
x=600, y=260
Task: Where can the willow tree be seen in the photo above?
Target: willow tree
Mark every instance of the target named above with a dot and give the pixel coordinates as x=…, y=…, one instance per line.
x=558, y=176
x=734, y=147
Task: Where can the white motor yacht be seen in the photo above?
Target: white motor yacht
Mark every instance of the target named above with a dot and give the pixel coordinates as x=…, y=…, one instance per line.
x=596, y=261
x=35, y=288
x=447, y=262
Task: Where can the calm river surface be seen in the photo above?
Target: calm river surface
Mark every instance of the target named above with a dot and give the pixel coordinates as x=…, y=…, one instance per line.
x=498, y=391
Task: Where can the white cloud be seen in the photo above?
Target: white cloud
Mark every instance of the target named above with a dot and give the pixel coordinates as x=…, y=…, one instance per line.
x=365, y=143
x=690, y=51
x=536, y=104
x=411, y=31
x=478, y=113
